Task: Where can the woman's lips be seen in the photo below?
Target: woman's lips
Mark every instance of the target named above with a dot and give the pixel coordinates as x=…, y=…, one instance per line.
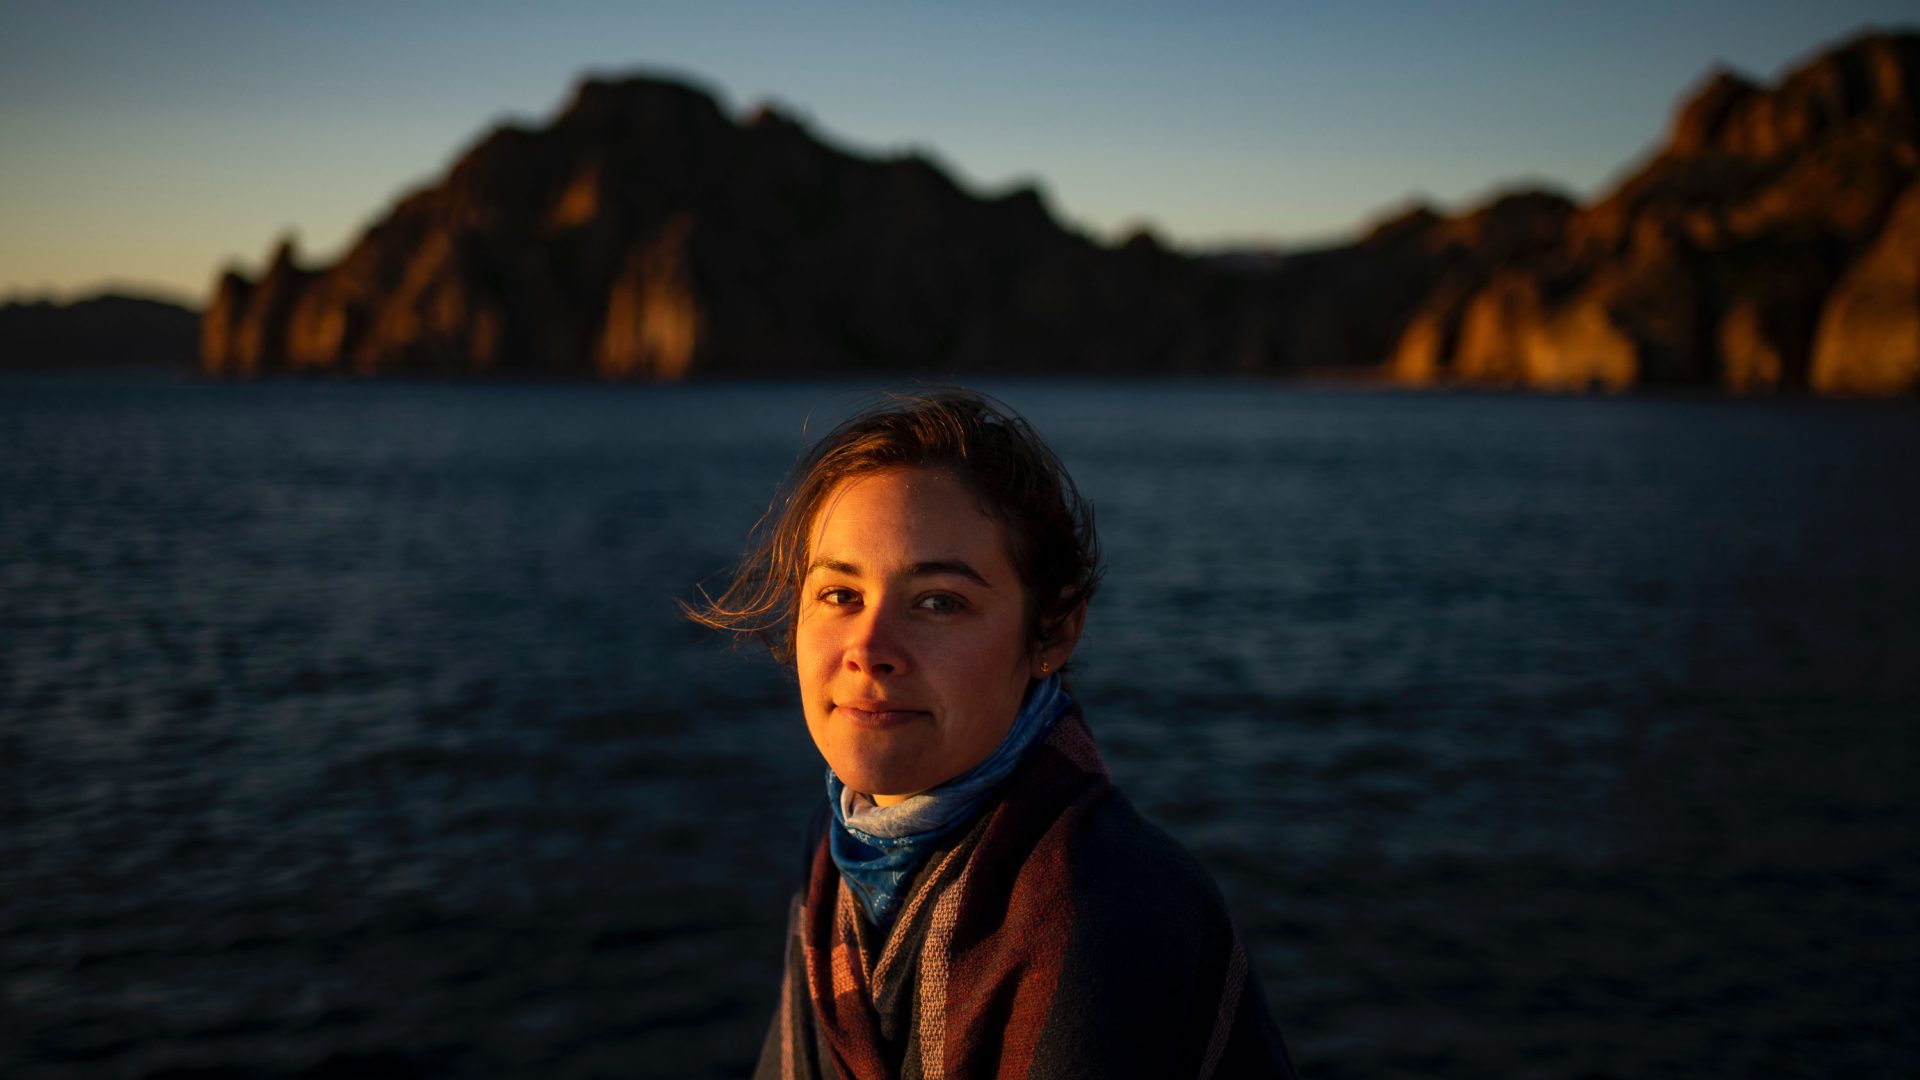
x=877, y=714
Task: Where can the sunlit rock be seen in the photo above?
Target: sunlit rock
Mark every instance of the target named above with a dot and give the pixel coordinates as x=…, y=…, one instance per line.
x=1869, y=337
x=653, y=320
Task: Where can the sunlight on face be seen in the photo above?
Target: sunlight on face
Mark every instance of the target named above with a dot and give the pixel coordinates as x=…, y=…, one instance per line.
x=911, y=645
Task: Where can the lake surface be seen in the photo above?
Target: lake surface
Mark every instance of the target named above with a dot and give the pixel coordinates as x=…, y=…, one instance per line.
x=351, y=728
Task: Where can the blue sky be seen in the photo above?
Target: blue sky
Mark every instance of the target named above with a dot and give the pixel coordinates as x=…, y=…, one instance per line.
x=147, y=144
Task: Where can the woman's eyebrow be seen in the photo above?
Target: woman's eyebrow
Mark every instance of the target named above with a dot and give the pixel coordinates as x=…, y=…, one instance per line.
x=929, y=568
x=948, y=568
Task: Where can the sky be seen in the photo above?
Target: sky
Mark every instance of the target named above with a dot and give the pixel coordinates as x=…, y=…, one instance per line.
x=145, y=146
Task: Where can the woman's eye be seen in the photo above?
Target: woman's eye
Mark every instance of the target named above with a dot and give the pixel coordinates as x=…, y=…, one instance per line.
x=941, y=603
x=839, y=596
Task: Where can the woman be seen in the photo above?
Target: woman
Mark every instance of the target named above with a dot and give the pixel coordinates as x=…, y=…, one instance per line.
x=978, y=900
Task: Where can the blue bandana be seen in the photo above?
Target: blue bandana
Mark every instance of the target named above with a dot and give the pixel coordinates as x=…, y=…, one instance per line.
x=879, y=848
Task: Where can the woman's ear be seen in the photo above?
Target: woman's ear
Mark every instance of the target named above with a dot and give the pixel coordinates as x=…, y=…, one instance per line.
x=1053, y=653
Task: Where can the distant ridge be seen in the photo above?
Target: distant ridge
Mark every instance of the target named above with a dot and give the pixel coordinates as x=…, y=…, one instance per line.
x=1769, y=245
x=108, y=331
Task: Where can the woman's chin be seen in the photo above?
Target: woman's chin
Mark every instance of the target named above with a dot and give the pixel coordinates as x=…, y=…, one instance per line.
x=871, y=773
x=880, y=782
x=873, y=762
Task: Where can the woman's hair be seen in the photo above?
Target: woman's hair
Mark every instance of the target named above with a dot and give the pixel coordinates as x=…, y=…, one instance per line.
x=1014, y=479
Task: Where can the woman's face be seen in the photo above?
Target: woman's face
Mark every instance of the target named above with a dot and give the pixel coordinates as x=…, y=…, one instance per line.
x=911, y=639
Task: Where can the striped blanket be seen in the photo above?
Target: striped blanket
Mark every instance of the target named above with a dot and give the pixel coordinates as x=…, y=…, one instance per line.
x=1060, y=935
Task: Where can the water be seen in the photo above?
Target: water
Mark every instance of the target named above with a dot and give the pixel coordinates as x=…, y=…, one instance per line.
x=352, y=729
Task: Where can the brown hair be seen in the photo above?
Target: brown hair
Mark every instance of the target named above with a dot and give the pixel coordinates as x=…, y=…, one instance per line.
x=1013, y=476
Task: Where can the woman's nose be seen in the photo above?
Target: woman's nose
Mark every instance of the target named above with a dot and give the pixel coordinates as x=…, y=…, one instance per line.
x=876, y=646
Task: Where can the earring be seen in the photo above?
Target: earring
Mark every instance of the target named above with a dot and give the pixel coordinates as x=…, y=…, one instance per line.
x=1046, y=666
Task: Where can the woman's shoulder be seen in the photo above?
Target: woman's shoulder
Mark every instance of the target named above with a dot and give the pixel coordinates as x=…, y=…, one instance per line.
x=1154, y=980
x=1132, y=877
x=1126, y=875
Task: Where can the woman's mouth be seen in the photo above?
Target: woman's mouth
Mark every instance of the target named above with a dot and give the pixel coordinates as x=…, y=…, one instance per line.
x=878, y=714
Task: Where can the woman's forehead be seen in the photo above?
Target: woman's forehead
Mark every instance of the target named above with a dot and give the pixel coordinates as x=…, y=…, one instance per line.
x=903, y=514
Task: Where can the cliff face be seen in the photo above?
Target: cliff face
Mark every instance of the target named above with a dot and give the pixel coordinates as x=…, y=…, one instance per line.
x=1718, y=261
x=645, y=234
x=1869, y=336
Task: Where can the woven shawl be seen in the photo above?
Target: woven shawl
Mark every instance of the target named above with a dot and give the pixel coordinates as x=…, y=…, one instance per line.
x=1060, y=935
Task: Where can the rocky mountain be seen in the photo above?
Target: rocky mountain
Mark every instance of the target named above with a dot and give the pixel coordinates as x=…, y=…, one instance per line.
x=1768, y=245
x=1773, y=242
x=105, y=331
x=645, y=234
